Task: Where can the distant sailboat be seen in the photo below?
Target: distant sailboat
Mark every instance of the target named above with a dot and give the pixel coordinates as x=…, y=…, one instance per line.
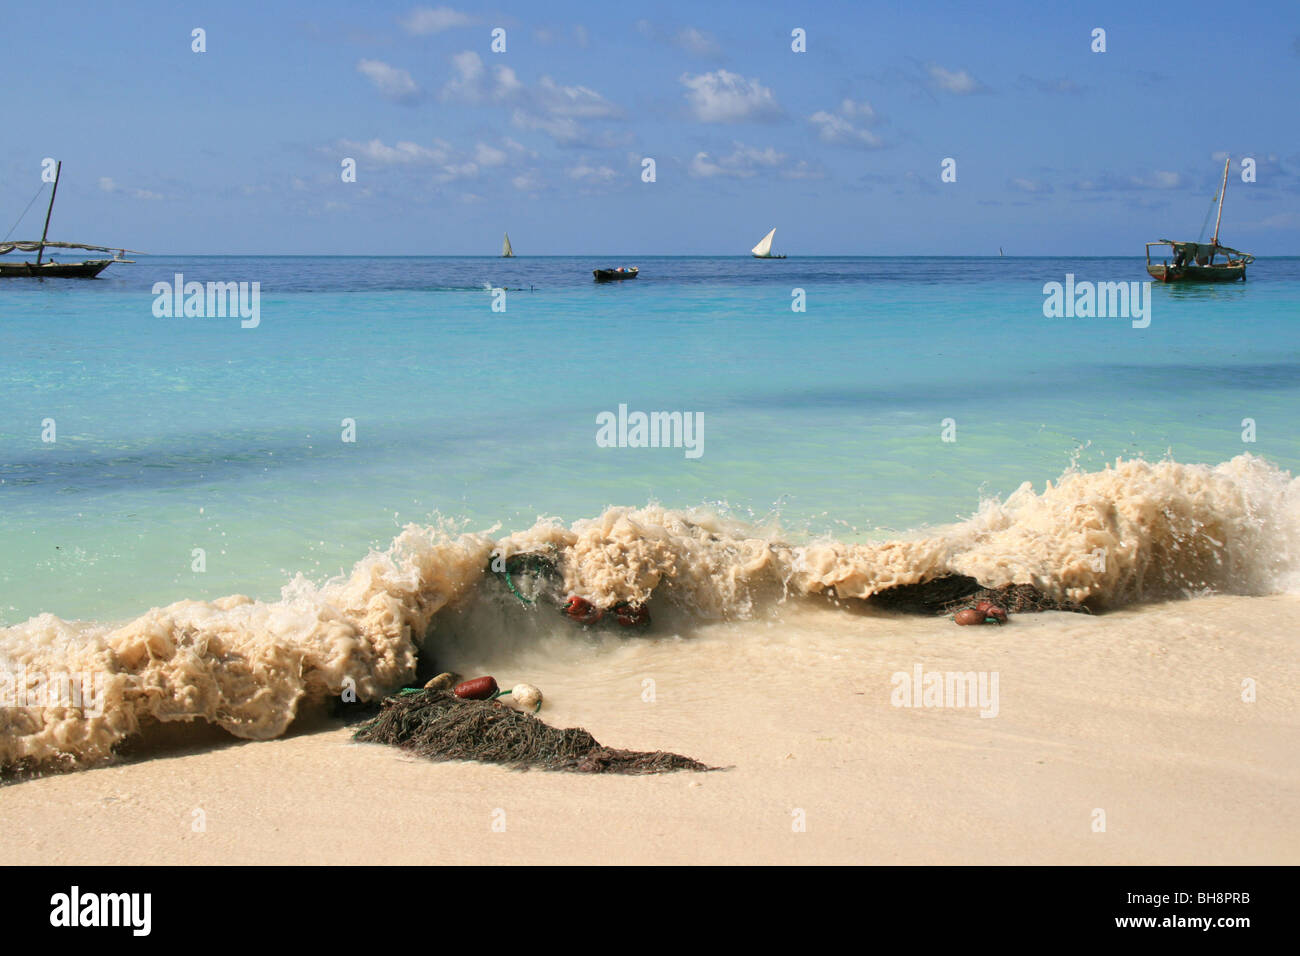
x=764, y=248
x=506, y=251
x=999, y=252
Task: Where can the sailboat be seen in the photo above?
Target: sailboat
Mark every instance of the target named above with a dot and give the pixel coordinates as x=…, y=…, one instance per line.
x=764, y=248
x=55, y=270
x=506, y=251
x=1194, y=261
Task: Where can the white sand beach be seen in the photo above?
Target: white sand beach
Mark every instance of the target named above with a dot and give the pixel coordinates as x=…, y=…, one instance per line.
x=1137, y=713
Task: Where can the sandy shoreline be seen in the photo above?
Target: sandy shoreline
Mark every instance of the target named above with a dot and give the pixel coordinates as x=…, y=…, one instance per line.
x=1138, y=713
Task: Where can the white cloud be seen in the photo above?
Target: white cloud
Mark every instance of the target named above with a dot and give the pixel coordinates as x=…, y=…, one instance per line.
x=404, y=153
x=423, y=21
x=862, y=111
x=563, y=129
x=803, y=170
x=743, y=162
x=448, y=163
x=1024, y=185
x=508, y=84
x=389, y=80
x=108, y=185
x=473, y=84
x=693, y=41
x=469, y=81
x=486, y=155
x=724, y=97
x=577, y=101
x=592, y=174
x=953, y=81
x=697, y=42
x=455, y=171
x=840, y=128
x=1110, y=182
x=547, y=106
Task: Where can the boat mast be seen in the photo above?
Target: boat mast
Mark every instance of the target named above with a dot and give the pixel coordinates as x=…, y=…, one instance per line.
x=53, y=192
x=1222, y=189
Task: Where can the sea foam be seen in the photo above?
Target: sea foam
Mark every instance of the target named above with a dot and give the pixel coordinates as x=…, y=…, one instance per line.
x=1131, y=532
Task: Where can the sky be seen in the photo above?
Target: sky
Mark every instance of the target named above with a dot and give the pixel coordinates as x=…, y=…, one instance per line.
x=1058, y=150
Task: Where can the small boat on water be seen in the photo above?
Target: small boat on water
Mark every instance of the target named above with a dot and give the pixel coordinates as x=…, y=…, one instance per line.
x=764, y=248
x=506, y=251
x=614, y=275
x=40, y=269
x=1194, y=261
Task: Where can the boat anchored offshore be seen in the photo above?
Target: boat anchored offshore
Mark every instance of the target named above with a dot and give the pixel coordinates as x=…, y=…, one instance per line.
x=1194, y=261
x=39, y=269
x=506, y=251
x=613, y=275
x=764, y=248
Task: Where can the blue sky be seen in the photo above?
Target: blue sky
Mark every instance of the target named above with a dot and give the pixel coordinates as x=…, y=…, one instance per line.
x=1059, y=150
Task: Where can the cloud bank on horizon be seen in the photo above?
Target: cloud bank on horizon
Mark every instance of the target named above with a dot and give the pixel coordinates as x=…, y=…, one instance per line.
x=678, y=130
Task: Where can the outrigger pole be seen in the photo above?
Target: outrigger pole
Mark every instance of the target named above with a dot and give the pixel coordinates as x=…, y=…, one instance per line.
x=55, y=191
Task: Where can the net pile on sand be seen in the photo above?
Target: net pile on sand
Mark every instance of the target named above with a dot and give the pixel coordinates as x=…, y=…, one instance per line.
x=440, y=726
x=951, y=592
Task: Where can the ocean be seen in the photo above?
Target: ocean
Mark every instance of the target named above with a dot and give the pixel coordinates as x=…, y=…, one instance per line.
x=352, y=462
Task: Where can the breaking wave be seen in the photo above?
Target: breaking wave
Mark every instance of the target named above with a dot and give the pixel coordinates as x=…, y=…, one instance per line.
x=1131, y=532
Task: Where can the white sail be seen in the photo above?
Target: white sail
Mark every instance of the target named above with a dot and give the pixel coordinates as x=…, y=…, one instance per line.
x=505, y=246
x=764, y=246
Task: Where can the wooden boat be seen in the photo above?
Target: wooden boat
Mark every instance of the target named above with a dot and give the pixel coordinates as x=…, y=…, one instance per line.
x=506, y=251
x=51, y=270
x=40, y=269
x=764, y=248
x=1194, y=261
x=614, y=275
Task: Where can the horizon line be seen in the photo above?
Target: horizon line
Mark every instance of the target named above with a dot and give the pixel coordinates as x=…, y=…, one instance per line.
x=643, y=255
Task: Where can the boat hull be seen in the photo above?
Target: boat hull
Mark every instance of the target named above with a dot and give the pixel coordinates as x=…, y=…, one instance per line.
x=757, y=256
x=609, y=275
x=1220, y=273
x=54, y=270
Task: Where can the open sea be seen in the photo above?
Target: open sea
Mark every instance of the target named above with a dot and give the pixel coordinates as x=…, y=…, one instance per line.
x=227, y=523
x=175, y=434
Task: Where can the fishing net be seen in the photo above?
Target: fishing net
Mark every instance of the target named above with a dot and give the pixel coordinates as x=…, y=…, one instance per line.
x=440, y=726
x=955, y=591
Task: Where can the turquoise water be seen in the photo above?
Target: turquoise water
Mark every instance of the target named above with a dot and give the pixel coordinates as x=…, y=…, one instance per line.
x=181, y=433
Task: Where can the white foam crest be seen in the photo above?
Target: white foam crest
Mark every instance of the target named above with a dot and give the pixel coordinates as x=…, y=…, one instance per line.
x=1133, y=531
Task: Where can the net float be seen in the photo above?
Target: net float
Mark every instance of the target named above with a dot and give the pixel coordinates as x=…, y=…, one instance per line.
x=582, y=610
x=444, y=681
x=480, y=688
x=632, y=615
x=526, y=695
x=969, y=616
x=993, y=611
